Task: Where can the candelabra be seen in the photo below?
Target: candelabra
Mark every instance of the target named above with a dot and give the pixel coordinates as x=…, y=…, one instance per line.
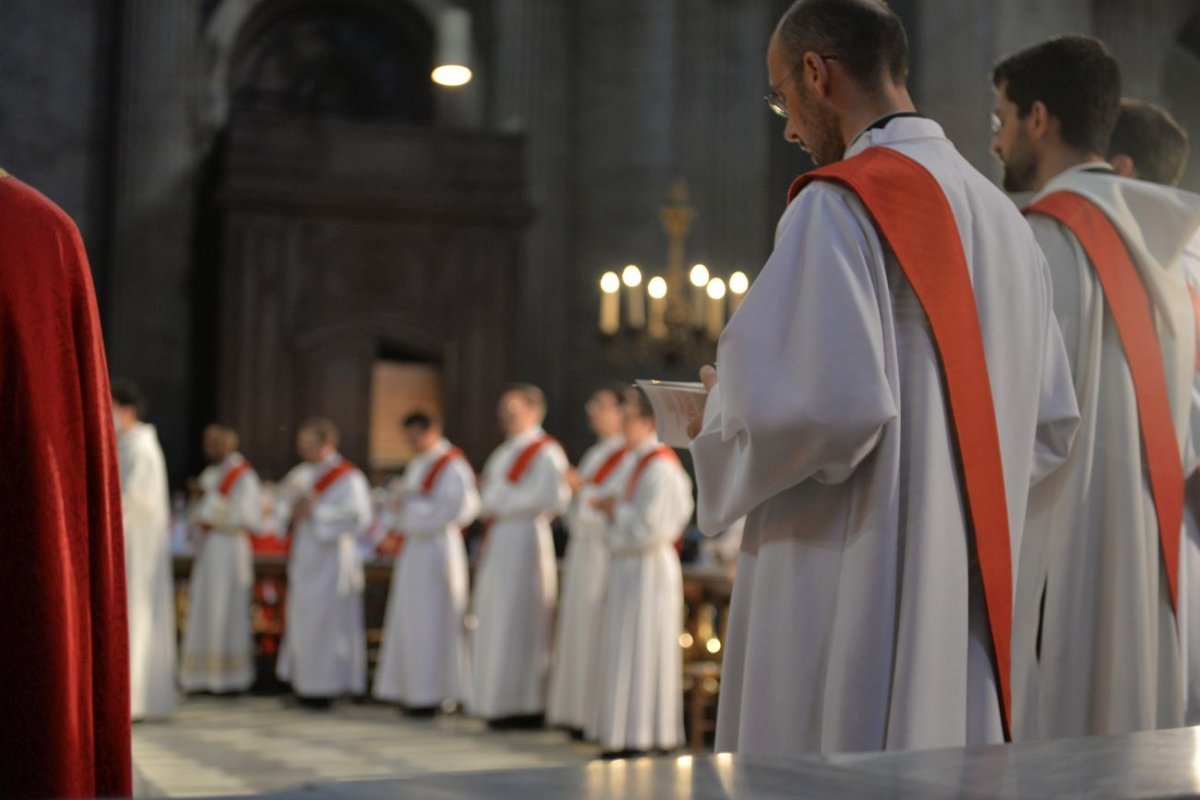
x=674, y=317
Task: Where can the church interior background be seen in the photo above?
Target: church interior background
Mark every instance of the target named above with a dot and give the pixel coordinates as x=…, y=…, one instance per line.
x=286, y=217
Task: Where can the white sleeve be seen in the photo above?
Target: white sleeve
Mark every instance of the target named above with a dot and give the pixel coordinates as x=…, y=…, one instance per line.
x=492, y=485
x=453, y=500
x=542, y=490
x=1058, y=408
x=803, y=390
x=245, y=503
x=1190, y=263
x=659, y=511
x=344, y=509
x=144, y=494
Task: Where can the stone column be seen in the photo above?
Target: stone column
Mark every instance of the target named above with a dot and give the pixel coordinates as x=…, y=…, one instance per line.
x=531, y=74
x=148, y=305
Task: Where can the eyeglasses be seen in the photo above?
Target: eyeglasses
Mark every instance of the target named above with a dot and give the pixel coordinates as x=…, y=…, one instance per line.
x=775, y=100
x=997, y=124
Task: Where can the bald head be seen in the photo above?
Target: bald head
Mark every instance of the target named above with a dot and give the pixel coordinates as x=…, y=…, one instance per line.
x=864, y=36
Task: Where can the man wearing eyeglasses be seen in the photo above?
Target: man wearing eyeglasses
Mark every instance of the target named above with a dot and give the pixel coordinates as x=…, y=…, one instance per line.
x=1096, y=635
x=888, y=390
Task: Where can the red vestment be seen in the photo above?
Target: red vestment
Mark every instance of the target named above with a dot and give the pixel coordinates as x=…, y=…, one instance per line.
x=64, y=650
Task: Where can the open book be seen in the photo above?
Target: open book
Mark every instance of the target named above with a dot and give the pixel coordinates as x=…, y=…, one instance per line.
x=674, y=404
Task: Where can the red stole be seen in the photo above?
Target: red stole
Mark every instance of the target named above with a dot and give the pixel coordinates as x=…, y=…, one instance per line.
x=331, y=476
x=610, y=464
x=1131, y=312
x=394, y=541
x=520, y=466
x=662, y=451
x=913, y=217
x=231, y=478
x=229, y=481
x=525, y=460
x=438, y=466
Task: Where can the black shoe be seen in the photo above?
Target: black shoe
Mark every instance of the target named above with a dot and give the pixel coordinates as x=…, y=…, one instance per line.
x=524, y=722
x=315, y=703
x=616, y=755
x=420, y=712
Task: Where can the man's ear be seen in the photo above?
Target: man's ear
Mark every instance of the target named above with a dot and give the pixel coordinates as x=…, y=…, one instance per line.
x=1039, y=123
x=816, y=74
x=1123, y=166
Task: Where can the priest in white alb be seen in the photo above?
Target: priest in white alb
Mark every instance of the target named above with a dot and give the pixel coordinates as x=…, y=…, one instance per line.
x=145, y=503
x=523, y=489
x=1150, y=145
x=423, y=657
x=896, y=357
x=218, y=648
x=573, y=680
x=639, y=665
x=1096, y=636
x=326, y=503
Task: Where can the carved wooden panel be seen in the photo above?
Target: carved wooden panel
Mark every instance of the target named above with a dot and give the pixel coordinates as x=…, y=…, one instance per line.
x=329, y=265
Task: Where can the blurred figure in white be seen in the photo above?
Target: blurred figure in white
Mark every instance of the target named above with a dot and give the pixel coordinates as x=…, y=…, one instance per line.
x=524, y=488
x=573, y=680
x=145, y=503
x=640, y=703
x=326, y=503
x=218, y=654
x=423, y=659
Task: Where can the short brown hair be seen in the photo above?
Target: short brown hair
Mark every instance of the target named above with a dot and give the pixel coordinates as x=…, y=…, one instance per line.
x=423, y=420
x=530, y=393
x=229, y=433
x=1152, y=139
x=1076, y=78
x=865, y=36
x=323, y=428
x=637, y=399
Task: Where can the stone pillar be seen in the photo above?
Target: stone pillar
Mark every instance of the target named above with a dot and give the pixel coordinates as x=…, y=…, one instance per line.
x=531, y=74
x=148, y=305
x=1143, y=36
x=54, y=90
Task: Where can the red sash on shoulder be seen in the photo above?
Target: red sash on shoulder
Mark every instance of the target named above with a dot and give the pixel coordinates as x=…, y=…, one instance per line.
x=332, y=476
x=525, y=460
x=662, y=451
x=911, y=213
x=630, y=488
x=231, y=478
x=229, y=481
x=1131, y=311
x=439, y=465
x=606, y=469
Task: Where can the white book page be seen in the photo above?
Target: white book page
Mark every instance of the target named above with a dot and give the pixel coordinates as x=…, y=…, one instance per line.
x=674, y=405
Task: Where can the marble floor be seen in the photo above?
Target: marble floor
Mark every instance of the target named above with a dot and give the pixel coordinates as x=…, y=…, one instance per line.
x=1146, y=766
x=256, y=745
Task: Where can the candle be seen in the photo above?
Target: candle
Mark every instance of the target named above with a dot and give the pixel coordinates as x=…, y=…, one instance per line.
x=716, y=308
x=610, y=303
x=657, y=289
x=699, y=278
x=632, y=278
x=738, y=286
